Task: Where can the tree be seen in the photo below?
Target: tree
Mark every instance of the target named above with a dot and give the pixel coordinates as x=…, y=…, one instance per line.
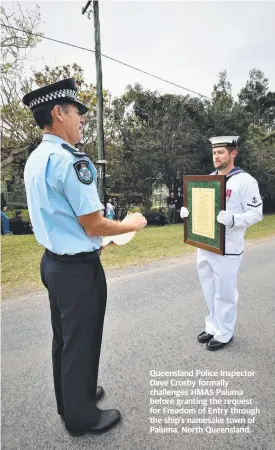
x=16, y=121
x=261, y=161
x=18, y=129
x=253, y=95
x=151, y=139
x=163, y=137
x=226, y=117
x=268, y=112
x=222, y=95
x=14, y=43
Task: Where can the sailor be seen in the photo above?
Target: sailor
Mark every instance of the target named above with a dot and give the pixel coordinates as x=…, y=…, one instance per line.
x=217, y=273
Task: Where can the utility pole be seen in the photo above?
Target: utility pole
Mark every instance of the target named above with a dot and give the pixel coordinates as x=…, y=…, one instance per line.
x=99, y=95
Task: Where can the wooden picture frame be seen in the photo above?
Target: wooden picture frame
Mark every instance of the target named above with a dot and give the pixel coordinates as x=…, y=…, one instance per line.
x=204, y=197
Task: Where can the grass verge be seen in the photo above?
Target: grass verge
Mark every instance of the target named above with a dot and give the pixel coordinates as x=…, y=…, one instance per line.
x=21, y=255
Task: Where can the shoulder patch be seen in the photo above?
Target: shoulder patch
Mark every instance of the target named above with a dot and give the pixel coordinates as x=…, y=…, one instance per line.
x=255, y=202
x=83, y=171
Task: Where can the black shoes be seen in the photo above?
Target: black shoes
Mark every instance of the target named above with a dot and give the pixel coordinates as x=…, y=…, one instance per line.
x=204, y=337
x=214, y=345
x=211, y=343
x=99, y=393
x=107, y=420
x=98, y=396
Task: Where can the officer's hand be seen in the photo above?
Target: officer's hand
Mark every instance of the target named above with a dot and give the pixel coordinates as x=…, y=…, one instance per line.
x=184, y=212
x=225, y=217
x=138, y=221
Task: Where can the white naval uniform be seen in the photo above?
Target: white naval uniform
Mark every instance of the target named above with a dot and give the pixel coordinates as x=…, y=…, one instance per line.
x=217, y=273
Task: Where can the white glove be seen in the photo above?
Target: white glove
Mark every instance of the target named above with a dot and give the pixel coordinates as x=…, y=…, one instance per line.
x=225, y=217
x=184, y=212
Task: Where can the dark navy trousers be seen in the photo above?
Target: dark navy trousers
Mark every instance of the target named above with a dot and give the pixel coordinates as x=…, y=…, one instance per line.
x=77, y=294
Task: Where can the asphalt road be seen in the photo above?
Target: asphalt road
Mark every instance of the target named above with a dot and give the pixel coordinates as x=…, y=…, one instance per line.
x=153, y=316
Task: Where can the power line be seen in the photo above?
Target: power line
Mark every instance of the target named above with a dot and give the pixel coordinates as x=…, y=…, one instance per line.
x=108, y=57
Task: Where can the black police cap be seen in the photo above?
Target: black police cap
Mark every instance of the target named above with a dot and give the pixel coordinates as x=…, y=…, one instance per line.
x=62, y=90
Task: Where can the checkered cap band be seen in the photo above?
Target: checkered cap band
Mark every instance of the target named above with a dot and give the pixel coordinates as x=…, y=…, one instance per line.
x=52, y=96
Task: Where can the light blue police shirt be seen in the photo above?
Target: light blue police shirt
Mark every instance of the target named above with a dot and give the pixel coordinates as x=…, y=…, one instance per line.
x=56, y=196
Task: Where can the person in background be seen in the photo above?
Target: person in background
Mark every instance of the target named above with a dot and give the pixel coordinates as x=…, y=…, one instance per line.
x=17, y=225
x=5, y=226
x=115, y=204
x=123, y=213
x=171, y=203
x=3, y=200
x=110, y=210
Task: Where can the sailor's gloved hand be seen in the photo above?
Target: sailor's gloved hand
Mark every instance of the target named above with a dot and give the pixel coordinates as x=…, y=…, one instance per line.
x=184, y=212
x=226, y=218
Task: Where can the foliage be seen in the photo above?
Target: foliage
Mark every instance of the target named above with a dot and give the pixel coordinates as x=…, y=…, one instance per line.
x=150, y=139
x=258, y=101
x=261, y=160
x=17, y=126
x=15, y=44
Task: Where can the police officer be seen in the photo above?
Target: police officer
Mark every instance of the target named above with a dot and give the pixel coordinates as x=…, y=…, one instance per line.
x=217, y=273
x=67, y=220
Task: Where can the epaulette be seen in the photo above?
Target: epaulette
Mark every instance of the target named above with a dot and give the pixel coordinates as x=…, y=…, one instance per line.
x=73, y=150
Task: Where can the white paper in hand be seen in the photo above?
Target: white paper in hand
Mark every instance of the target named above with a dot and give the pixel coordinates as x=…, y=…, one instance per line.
x=120, y=239
x=106, y=240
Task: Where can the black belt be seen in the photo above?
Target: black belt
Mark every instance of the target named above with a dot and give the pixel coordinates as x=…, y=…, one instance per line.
x=85, y=256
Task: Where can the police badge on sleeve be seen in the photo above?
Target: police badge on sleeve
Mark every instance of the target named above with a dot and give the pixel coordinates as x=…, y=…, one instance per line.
x=83, y=171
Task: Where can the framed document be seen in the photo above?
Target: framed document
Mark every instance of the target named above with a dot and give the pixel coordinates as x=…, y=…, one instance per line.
x=204, y=196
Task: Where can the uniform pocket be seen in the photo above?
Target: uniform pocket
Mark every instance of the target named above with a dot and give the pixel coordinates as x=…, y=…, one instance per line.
x=234, y=242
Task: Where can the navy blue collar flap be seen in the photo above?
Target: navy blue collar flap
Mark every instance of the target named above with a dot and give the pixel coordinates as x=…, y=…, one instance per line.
x=73, y=150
